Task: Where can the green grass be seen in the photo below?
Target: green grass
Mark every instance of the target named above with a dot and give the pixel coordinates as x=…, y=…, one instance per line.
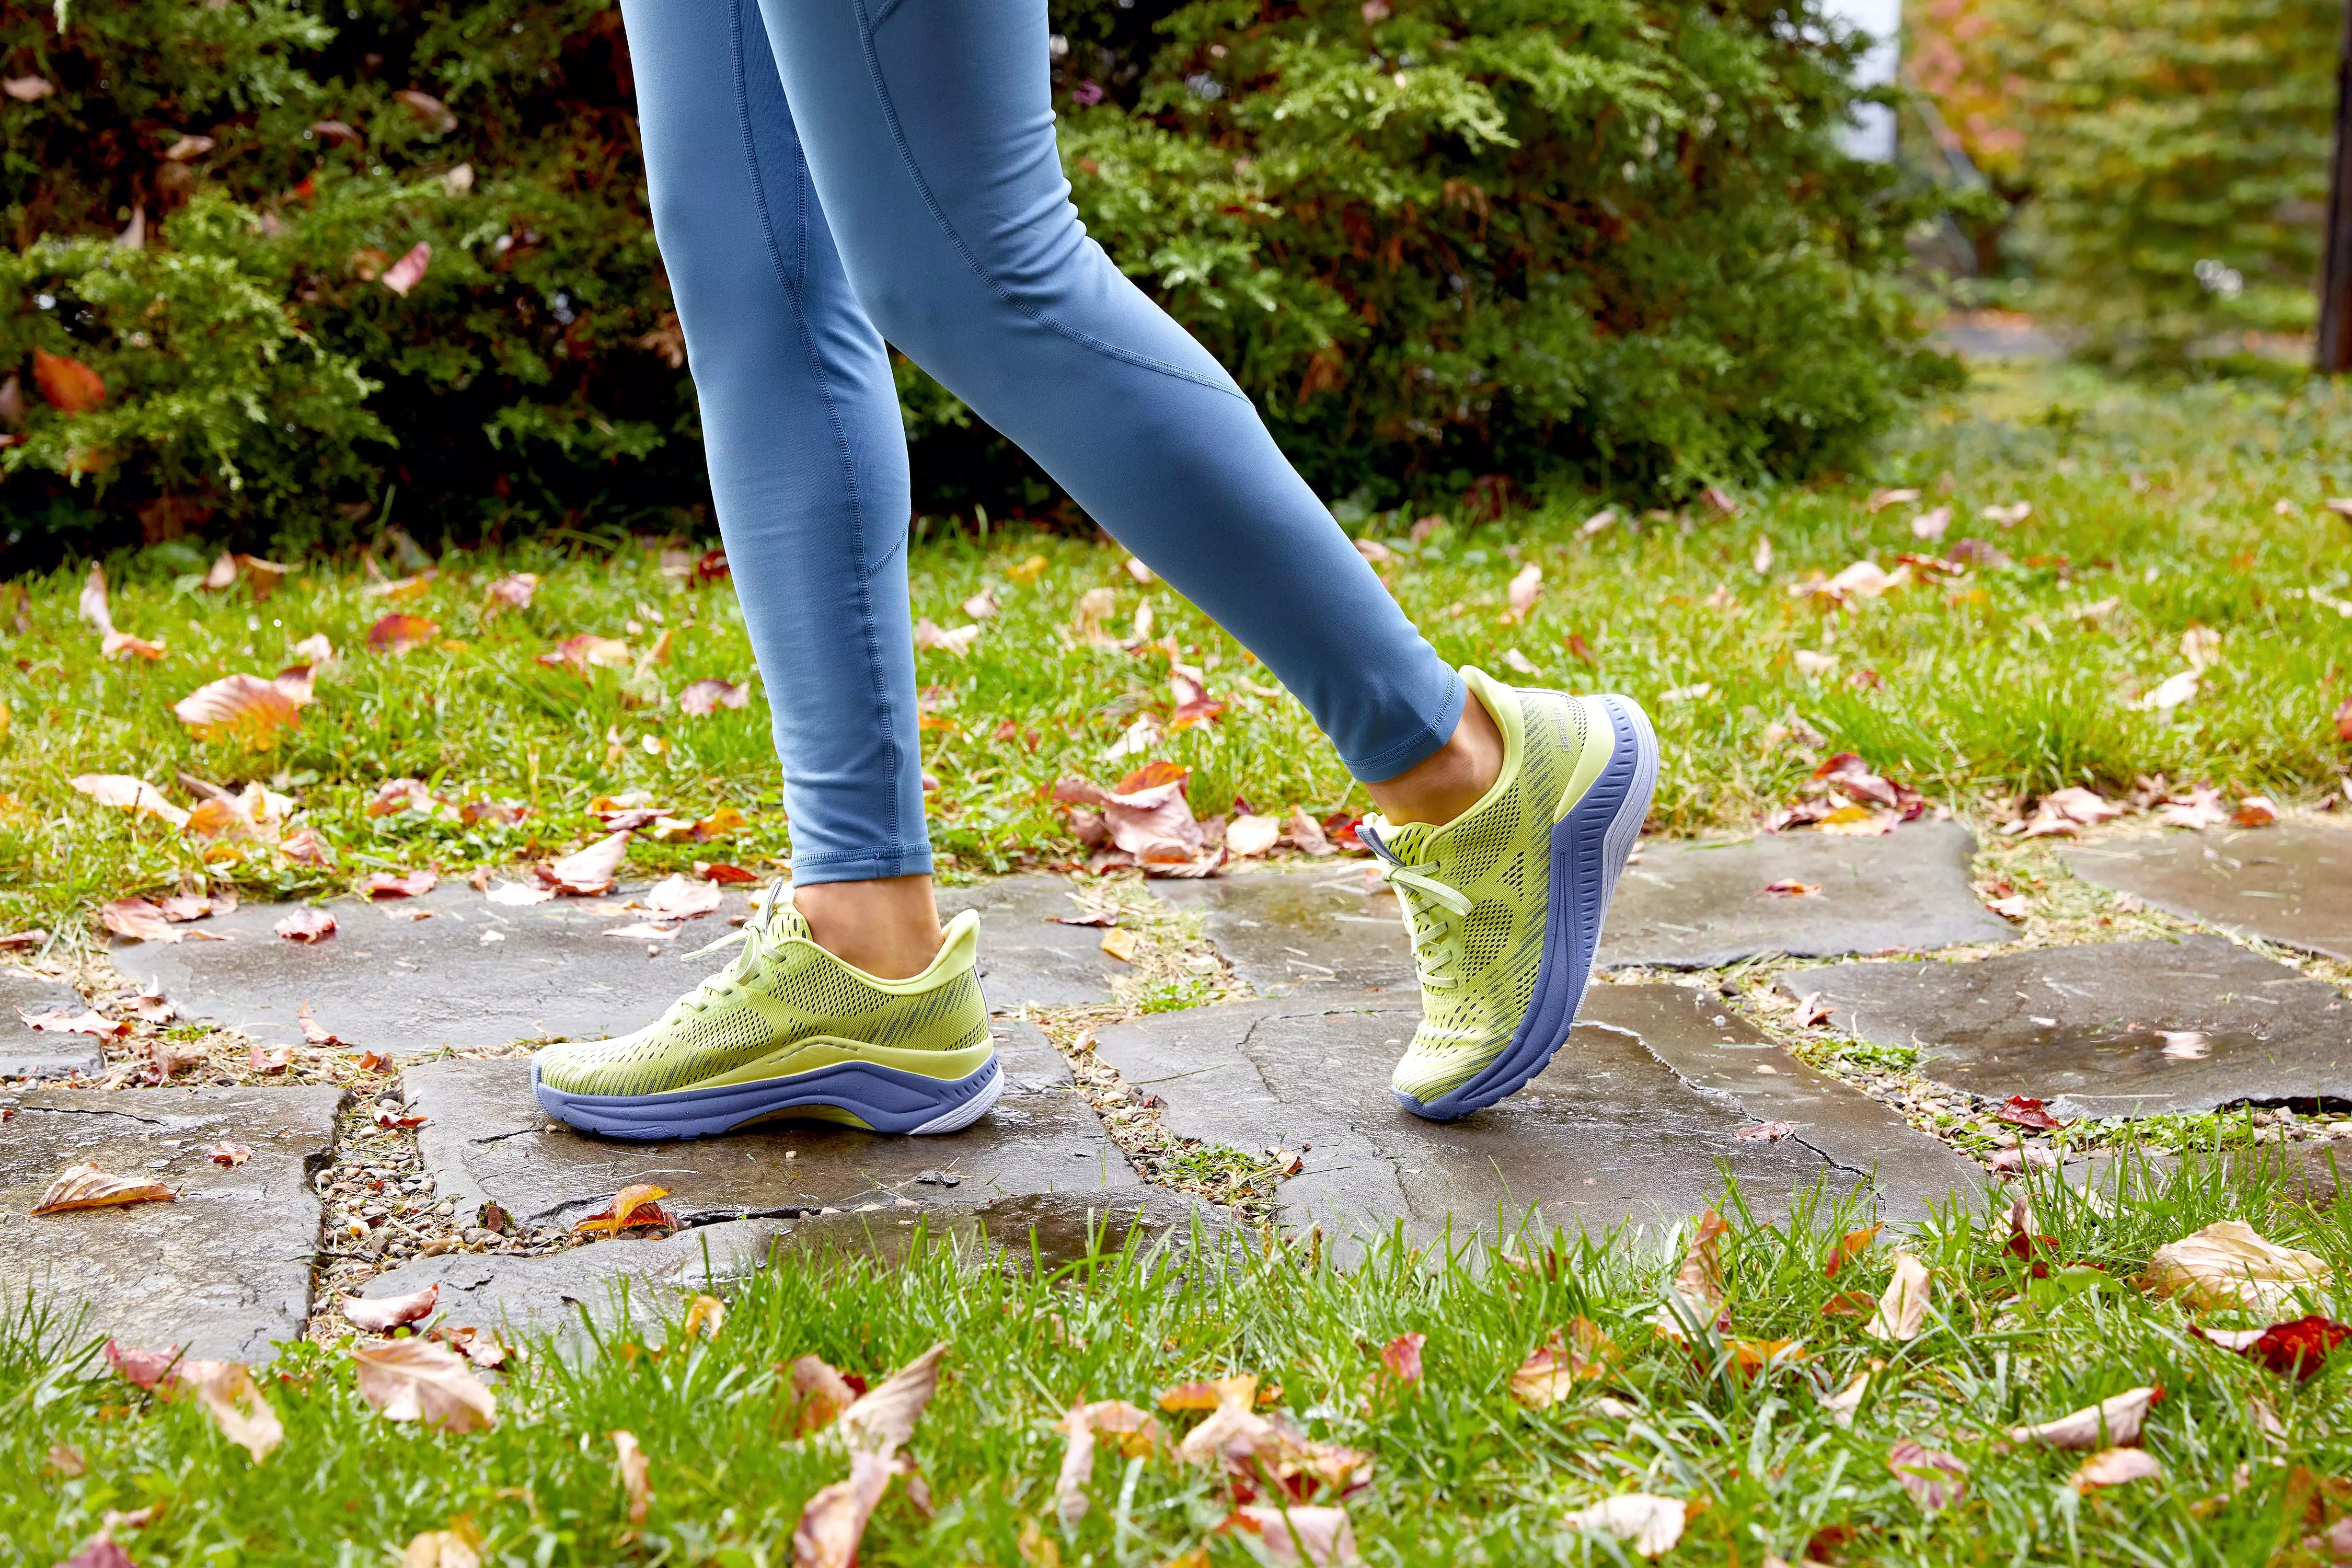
x=1461, y=1473
x=2164, y=501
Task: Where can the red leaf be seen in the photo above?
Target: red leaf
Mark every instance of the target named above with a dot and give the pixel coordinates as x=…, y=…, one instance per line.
x=71, y=387
x=722, y=873
x=409, y=271
x=400, y=632
x=408, y=885
x=240, y=708
x=1401, y=1357
x=2020, y=1111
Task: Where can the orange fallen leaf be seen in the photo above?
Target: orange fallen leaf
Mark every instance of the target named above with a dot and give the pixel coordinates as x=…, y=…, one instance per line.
x=417, y=1380
x=85, y=1186
x=1119, y=943
x=705, y=1315
x=400, y=632
x=1584, y=1353
x=2115, y=1468
x=636, y=1474
x=722, y=873
x=1849, y=1247
x=633, y=1207
x=680, y=830
x=231, y=568
x=71, y=386
x=1792, y=889
x=303, y=846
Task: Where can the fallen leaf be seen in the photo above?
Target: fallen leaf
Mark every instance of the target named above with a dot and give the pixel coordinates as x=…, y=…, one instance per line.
x=1321, y=1536
x=1650, y=1524
x=27, y=89
x=679, y=830
x=1250, y=834
x=269, y=1059
x=519, y=895
x=2199, y=808
x=633, y=1208
x=2200, y=648
x=832, y=1521
x=2115, y=1468
x=588, y=871
x=308, y=924
x=1120, y=944
x=133, y=795
x=2064, y=811
x=1524, y=588
x=2023, y=1244
x=1792, y=889
x=1847, y=1400
x=71, y=386
x=382, y=1314
x=884, y=1417
x=1930, y=526
x=399, y=885
x=228, y=1394
x=297, y=683
x=400, y=633
x=511, y=592
x=929, y=635
x=1936, y=1481
x=636, y=1471
x=2254, y=811
x=1880, y=500
x=224, y=1152
x=2169, y=694
x=156, y=1370
x=820, y=1394
x=2228, y=1265
x=2020, y=1157
x=313, y=1032
x=2020, y=1111
x=1307, y=834
x=409, y=271
x=705, y=696
x=416, y=1380
x=1584, y=1353
x=1147, y=816
x=1903, y=1309
x=2008, y=516
x=82, y=1186
x=31, y=936
x=720, y=872
x=2298, y=1348
x=2115, y=1422
x=705, y=1315
x=1401, y=1358
x=1766, y=1131
x=440, y=1549
x=675, y=898
x=137, y=919
x=1695, y=1296
x=1371, y=550
x=1850, y=1248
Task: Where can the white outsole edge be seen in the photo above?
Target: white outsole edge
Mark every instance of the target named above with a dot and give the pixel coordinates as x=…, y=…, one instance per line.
x=969, y=1111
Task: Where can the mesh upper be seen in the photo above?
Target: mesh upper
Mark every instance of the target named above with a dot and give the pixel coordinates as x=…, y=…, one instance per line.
x=815, y=993
x=1498, y=854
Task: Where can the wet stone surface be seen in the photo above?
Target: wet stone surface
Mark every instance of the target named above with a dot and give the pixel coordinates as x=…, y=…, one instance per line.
x=1025, y=957
x=1629, y=1122
x=225, y=1269
x=2291, y=884
x=1697, y=906
x=553, y=1292
x=2089, y=1028
x=1681, y=906
x=484, y=1138
x=26, y=1052
x=470, y=974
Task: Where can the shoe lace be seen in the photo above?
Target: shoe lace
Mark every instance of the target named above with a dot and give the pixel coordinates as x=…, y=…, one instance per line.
x=1431, y=909
x=756, y=934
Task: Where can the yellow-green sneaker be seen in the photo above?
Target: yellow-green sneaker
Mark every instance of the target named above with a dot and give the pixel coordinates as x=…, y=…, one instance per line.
x=1505, y=902
x=787, y=1030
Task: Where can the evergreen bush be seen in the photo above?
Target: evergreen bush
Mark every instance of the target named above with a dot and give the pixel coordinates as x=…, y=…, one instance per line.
x=279, y=265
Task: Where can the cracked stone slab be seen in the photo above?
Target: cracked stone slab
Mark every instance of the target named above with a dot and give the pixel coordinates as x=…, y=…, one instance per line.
x=554, y=1292
x=225, y=1269
x=484, y=1138
x=1024, y=958
x=1633, y=1119
x=2088, y=1028
x=470, y=974
x=1683, y=905
x=2291, y=883
x=26, y=1052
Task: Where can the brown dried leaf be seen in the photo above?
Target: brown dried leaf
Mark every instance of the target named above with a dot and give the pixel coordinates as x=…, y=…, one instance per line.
x=588, y=871
x=633, y=1208
x=2228, y=1265
x=884, y=1419
x=832, y=1521
x=382, y=1314
x=1320, y=1536
x=83, y=1186
x=1853, y=1244
x=133, y=795
x=1903, y=1309
x=1650, y=1524
x=635, y=1472
x=401, y=885
x=416, y=1380
x=1936, y=1481
x=2111, y=1422
x=224, y=1152
x=227, y=1392
x=71, y=387
x=821, y=1393
x=2115, y=1468
x=401, y=632
x=587, y=651
x=137, y=919
x=308, y=924
x=707, y=696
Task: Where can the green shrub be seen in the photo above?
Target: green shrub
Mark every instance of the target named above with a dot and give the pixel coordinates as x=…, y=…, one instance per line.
x=2177, y=156
x=1463, y=246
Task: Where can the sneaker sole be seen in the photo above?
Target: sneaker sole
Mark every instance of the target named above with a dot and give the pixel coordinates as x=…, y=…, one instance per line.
x=1589, y=849
x=885, y=1098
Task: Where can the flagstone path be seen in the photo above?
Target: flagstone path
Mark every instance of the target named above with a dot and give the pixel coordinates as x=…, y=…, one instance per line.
x=222, y=1270
x=2125, y=1028
x=2291, y=883
x=27, y=1052
x=1636, y=1121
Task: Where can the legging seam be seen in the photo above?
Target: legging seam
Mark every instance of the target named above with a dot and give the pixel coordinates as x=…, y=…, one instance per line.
x=867, y=24
x=785, y=280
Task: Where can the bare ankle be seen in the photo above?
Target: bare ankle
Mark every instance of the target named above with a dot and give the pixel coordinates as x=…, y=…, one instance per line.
x=1450, y=780
x=887, y=926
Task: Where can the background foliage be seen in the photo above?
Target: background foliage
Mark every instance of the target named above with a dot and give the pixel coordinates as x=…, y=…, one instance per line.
x=1531, y=239
x=2170, y=156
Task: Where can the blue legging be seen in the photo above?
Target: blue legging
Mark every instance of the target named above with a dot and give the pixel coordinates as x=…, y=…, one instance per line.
x=912, y=191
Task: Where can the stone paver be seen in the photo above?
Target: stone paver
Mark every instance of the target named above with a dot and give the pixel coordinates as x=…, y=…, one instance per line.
x=26, y=1052
x=391, y=983
x=225, y=1269
x=551, y=1292
x=486, y=1138
x=1693, y=905
x=2291, y=883
x=2088, y=1028
x=1630, y=1120
x=1680, y=906
x=1025, y=957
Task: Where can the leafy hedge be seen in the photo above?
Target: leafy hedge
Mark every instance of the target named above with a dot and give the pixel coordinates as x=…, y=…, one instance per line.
x=1451, y=246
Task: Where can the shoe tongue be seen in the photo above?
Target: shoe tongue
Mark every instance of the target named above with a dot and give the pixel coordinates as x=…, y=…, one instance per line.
x=1407, y=842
